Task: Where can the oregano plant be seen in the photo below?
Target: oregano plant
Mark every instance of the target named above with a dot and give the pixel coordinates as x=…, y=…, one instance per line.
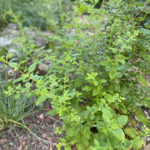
x=97, y=78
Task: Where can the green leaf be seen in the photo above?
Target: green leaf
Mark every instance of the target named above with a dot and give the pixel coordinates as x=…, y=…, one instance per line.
x=95, y=83
x=79, y=81
x=52, y=112
x=119, y=134
x=27, y=85
x=130, y=131
x=85, y=141
x=122, y=120
x=28, y=94
x=112, y=74
x=92, y=117
x=68, y=147
x=96, y=143
x=2, y=52
x=10, y=55
x=62, y=140
x=35, y=77
x=82, y=9
x=109, y=98
x=124, y=90
x=18, y=79
x=137, y=144
x=80, y=147
x=84, y=113
x=103, y=81
x=71, y=131
x=41, y=100
x=106, y=114
x=17, y=96
x=141, y=117
x=103, y=63
x=32, y=67
x=121, y=60
x=13, y=64
x=114, y=50
x=86, y=132
x=95, y=92
x=2, y=58
x=142, y=80
x=89, y=108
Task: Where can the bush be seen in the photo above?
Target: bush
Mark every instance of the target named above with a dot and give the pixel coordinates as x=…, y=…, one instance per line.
x=96, y=81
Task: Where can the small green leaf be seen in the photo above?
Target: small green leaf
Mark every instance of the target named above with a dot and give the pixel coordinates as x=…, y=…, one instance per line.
x=92, y=117
x=106, y=114
x=41, y=100
x=141, y=117
x=114, y=50
x=95, y=92
x=52, y=112
x=62, y=140
x=82, y=9
x=109, y=98
x=10, y=55
x=28, y=85
x=17, y=96
x=28, y=94
x=68, y=147
x=103, y=81
x=85, y=141
x=130, y=131
x=137, y=144
x=2, y=59
x=86, y=132
x=96, y=143
x=13, y=64
x=103, y=63
x=122, y=120
x=32, y=67
x=35, y=77
x=95, y=83
x=121, y=60
x=119, y=134
x=2, y=52
x=80, y=146
x=71, y=131
x=112, y=74
x=79, y=81
x=142, y=80
x=84, y=113
x=89, y=108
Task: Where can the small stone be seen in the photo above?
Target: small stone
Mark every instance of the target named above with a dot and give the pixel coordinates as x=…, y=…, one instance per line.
x=148, y=139
x=10, y=143
x=5, y=42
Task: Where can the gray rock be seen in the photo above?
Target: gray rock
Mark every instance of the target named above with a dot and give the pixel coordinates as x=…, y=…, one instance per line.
x=4, y=42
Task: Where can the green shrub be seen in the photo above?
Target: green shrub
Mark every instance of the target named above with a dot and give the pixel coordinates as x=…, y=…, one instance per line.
x=96, y=81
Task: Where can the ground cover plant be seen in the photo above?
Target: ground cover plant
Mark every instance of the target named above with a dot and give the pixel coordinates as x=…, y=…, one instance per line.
x=13, y=108
x=96, y=81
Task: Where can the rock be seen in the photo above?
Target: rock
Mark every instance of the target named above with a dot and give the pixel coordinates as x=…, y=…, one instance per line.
x=4, y=42
x=147, y=147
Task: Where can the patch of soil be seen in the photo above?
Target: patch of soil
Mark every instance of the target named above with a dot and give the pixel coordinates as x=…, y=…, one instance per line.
x=41, y=125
